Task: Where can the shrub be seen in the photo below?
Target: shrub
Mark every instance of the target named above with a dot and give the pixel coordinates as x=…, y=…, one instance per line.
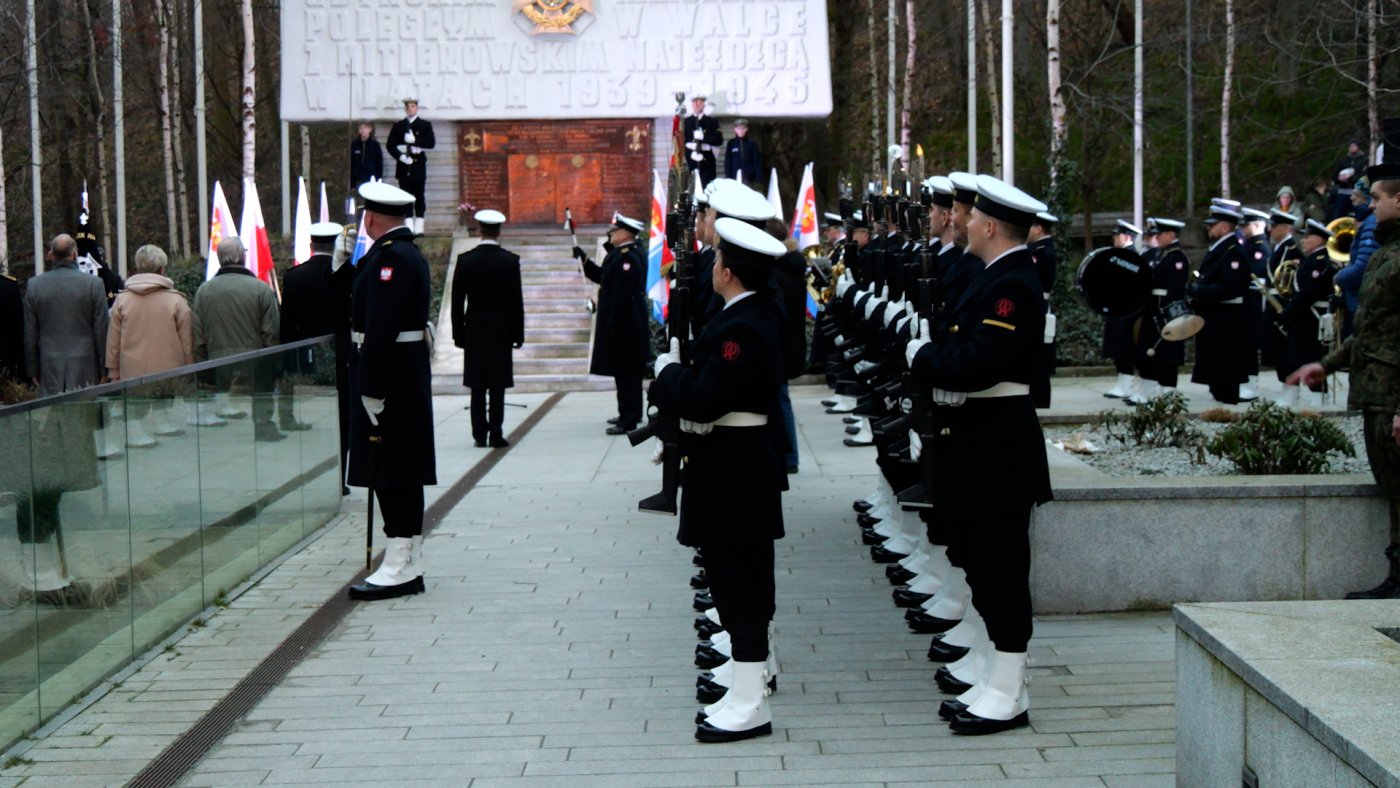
x=1272, y=439
x=1157, y=423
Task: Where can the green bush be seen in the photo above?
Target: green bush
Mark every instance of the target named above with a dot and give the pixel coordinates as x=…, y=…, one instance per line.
x=1160, y=422
x=1272, y=439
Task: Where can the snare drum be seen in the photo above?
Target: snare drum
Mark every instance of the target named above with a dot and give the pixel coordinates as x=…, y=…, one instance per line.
x=1115, y=283
x=1180, y=322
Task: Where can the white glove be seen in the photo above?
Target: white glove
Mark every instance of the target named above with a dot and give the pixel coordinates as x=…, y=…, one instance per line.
x=916, y=445
x=406, y=159
x=953, y=398
x=415, y=150
x=697, y=157
x=903, y=318
x=892, y=311
x=843, y=283
x=870, y=303
x=1049, y=327
x=698, y=134
x=910, y=310
x=691, y=146
x=344, y=247
x=916, y=340
x=673, y=356
x=884, y=295
x=697, y=427
x=658, y=453
x=409, y=137
x=373, y=407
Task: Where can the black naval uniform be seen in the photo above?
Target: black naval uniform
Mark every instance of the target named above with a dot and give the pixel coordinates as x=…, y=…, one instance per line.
x=1224, y=345
x=1170, y=271
x=989, y=453
x=743, y=162
x=620, y=349
x=312, y=306
x=1312, y=291
x=1047, y=262
x=11, y=330
x=488, y=317
x=731, y=504
x=412, y=177
x=1275, y=348
x=390, y=296
x=367, y=160
x=1256, y=251
x=704, y=304
x=708, y=141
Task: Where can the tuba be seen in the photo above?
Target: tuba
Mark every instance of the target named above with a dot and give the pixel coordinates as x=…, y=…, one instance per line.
x=1343, y=230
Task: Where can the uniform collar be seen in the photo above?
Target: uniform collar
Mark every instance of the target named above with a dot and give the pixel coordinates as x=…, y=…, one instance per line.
x=1222, y=239
x=488, y=242
x=1012, y=250
x=736, y=299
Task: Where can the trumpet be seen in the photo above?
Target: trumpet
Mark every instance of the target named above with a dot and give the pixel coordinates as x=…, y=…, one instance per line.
x=1339, y=245
x=1258, y=283
x=1286, y=276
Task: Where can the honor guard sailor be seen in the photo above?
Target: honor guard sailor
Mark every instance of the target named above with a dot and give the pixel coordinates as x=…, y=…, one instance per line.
x=990, y=463
x=409, y=138
x=391, y=429
x=702, y=140
x=1157, y=359
x=733, y=439
x=621, y=346
x=1308, y=306
x=1283, y=274
x=1224, y=344
x=488, y=320
x=1047, y=262
x=1118, y=331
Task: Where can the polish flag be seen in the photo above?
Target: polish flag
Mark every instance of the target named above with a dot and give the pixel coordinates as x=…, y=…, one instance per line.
x=221, y=226
x=804, y=219
x=774, y=198
x=362, y=242
x=254, y=234
x=301, y=229
x=325, y=205
x=658, y=254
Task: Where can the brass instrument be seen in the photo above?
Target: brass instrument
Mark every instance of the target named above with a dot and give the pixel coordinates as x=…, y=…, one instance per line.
x=1285, y=277
x=1257, y=282
x=1343, y=230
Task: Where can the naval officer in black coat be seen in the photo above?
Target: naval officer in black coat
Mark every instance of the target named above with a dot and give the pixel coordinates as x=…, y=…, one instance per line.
x=702, y=141
x=621, y=345
x=733, y=441
x=488, y=320
x=1225, y=342
x=391, y=429
x=1047, y=262
x=1171, y=273
x=990, y=465
x=409, y=138
x=312, y=307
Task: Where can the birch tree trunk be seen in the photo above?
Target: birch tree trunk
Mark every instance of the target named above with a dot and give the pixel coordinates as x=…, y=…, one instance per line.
x=1225, y=98
x=99, y=129
x=306, y=154
x=874, y=89
x=163, y=105
x=4, y=215
x=989, y=62
x=249, y=92
x=177, y=124
x=1373, y=88
x=907, y=114
x=1058, y=129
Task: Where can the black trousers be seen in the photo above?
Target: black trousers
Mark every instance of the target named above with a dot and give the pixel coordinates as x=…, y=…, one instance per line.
x=741, y=583
x=488, y=412
x=36, y=516
x=629, y=397
x=413, y=184
x=995, y=551
x=402, y=508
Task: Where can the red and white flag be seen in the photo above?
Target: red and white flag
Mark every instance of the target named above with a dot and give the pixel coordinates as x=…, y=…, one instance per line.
x=254, y=234
x=325, y=205
x=804, y=220
x=301, y=228
x=658, y=254
x=774, y=198
x=221, y=226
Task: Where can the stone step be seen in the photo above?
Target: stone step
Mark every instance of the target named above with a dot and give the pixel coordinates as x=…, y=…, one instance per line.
x=534, y=294
x=574, y=305
x=572, y=318
x=551, y=366
x=550, y=335
x=530, y=384
x=549, y=350
x=537, y=277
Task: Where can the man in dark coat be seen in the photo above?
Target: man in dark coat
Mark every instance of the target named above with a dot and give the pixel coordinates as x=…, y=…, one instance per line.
x=1171, y=271
x=1047, y=262
x=409, y=138
x=1312, y=292
x=742, y=160
x=11, y=330
x=366, y=157
x=391, y=429
x=488, y=319
x=620, y=344
x=311, y=307
x=1118, y=331
x=702, y=140
x=1224, y=344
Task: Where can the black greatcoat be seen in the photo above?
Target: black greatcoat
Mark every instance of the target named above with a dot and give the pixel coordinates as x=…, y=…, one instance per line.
x=1225, y=343
x=733, y=476
x=11, y=330
x=1311, y=292
x=1274, y=346
x=422, y=138
x=990, y=457
x=1170, y=271
x=390, y=295
x=710, y=139
x=620, y=345
x=311, y=307
x=743, y=162
x=488, y=315
x=790, y=284
x=366, y=161
x=1047, y=261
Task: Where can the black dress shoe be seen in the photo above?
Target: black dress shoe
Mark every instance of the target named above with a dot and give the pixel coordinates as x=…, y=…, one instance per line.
x=370, y=592
x=703, y=601
x=613, y=420
x=702, y=621
x=709, y=692
x=267, y=433
x=620, y=428
x=699, y=580
x=862, y=506
x=938, y=651
x=903, y=597
x=705, y=732
x=924, y=624
x=709, y=678
x=852, y=430
x=866, y=521
x=972, y=725
x=294, y=426
x=498, y=442
x=948, y=683
x=1390, y=589
x=880, y=555
x=697, y=560
x=707, y=630
x=870, y=538
x=898, y=575
x=480, y=444
x=853, y=443
x=708, y=658
x=792, y=470
x=949, y=709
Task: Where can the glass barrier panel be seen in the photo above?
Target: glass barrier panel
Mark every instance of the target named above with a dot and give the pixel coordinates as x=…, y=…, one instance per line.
x=278, y=450
x=318, y=405
x=19, y=653
x=228, y=475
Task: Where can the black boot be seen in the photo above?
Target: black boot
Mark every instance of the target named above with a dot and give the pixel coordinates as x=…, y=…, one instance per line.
x=1390, y=588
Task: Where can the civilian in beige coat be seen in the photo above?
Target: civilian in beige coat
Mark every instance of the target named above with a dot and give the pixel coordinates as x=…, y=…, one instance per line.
x=150, y=330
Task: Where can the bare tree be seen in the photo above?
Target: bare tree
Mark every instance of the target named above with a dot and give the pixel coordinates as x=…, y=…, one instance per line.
x=250, y=147
x=1059, y=130
x=1225, y=89
x=874, y=89
x=990, y=79
x=1373, y=71
x=912, y=46
x=163, y=99
x=98, y=112
x=4, y=218
x=177, y=123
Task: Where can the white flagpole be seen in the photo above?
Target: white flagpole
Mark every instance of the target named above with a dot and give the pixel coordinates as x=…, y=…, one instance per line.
x=119, y=135
x=286, y=179
x=36, y=155
x=971, y=87
x=1137, y=114
x=200, y=154
x=1008, y=96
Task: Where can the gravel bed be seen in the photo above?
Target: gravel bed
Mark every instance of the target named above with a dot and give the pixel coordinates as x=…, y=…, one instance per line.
x=1117, y=459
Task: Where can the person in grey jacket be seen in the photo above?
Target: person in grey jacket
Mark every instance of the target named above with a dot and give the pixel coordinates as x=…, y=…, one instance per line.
x=65, y=323
x=235, y=312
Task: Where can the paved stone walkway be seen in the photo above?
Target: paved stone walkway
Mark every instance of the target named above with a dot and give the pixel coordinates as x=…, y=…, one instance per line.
x=554, y=647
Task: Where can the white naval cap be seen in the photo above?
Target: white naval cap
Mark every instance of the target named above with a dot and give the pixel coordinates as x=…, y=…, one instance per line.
x=1282, y=217
x=719, y=183
x=1314, y=227
x=833, y=219
x=755, y=243
x=1170, y=225
x=326, y=231
x=384, y=199
x=1253, y=215
x=942, y=188
x=1046, y=218
x=1005, y=202
x=1223, y=211
x=621, y=222
x=1126, y=227
x=741, y=202
x=488, y=216
x=964, y=187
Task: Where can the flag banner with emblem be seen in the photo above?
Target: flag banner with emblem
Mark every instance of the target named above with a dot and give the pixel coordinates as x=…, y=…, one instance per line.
x=362, y=242
x=301, y=228
x=658, y=254
x=697, y=189
x=774, y=198
x=325, y=205
x=254, y=234
x=221, y=226
x=804, y=218
x=90, y=257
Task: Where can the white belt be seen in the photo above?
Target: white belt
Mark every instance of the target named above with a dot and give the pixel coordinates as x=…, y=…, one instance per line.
x=1237, y=300
x=741, y=418
x=1003, y=389
x=1323, y=305
x=358, y=337
x=1047, y=296
x=1158, y=291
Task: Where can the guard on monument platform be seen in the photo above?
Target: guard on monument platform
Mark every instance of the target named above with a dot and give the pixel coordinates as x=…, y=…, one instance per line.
x=409, y=137
x=702, y=139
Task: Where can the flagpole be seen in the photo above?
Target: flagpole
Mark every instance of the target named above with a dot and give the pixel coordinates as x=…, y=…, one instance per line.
x=286, y=178
x=36, y=156
x=1008, y=126
x=119, y=135
x=972, y=88
x=201, y=155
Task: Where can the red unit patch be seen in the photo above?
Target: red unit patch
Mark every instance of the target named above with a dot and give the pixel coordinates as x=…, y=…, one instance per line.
x=729, y=351
x=1005, y=308
x=386, y=274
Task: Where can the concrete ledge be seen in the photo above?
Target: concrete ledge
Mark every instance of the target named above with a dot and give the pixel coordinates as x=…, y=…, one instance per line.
x=1301, y=693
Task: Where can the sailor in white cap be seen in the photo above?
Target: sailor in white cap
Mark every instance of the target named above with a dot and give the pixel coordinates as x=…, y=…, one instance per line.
x=991, y=464
x=1157, y=360
x=1254, y=240
x=1118, y=332
x=409, y=137
x=726, y=199
x=731, y=503
x=703, y=140
x=1223, y=346
x=621, y=346
x=1307, y=307
x=488, y=320
x=391, y=427
x=1041, y=243
x=311, y=308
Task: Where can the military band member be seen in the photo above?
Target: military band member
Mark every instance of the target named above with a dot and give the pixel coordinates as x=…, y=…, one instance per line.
x=1117, y=331
x=488, y=320
x=1255, y=243
x=1308, y=306
x=983, y=369
x=391, y=430
x=1158, y=360
x=1370, y=353
x=1224, y=343
x=742, y=160
x=1283, y=268
x=732, y=440
x=621, y=346
x=702, y=140
x=409, y=138
x=1047, y=261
